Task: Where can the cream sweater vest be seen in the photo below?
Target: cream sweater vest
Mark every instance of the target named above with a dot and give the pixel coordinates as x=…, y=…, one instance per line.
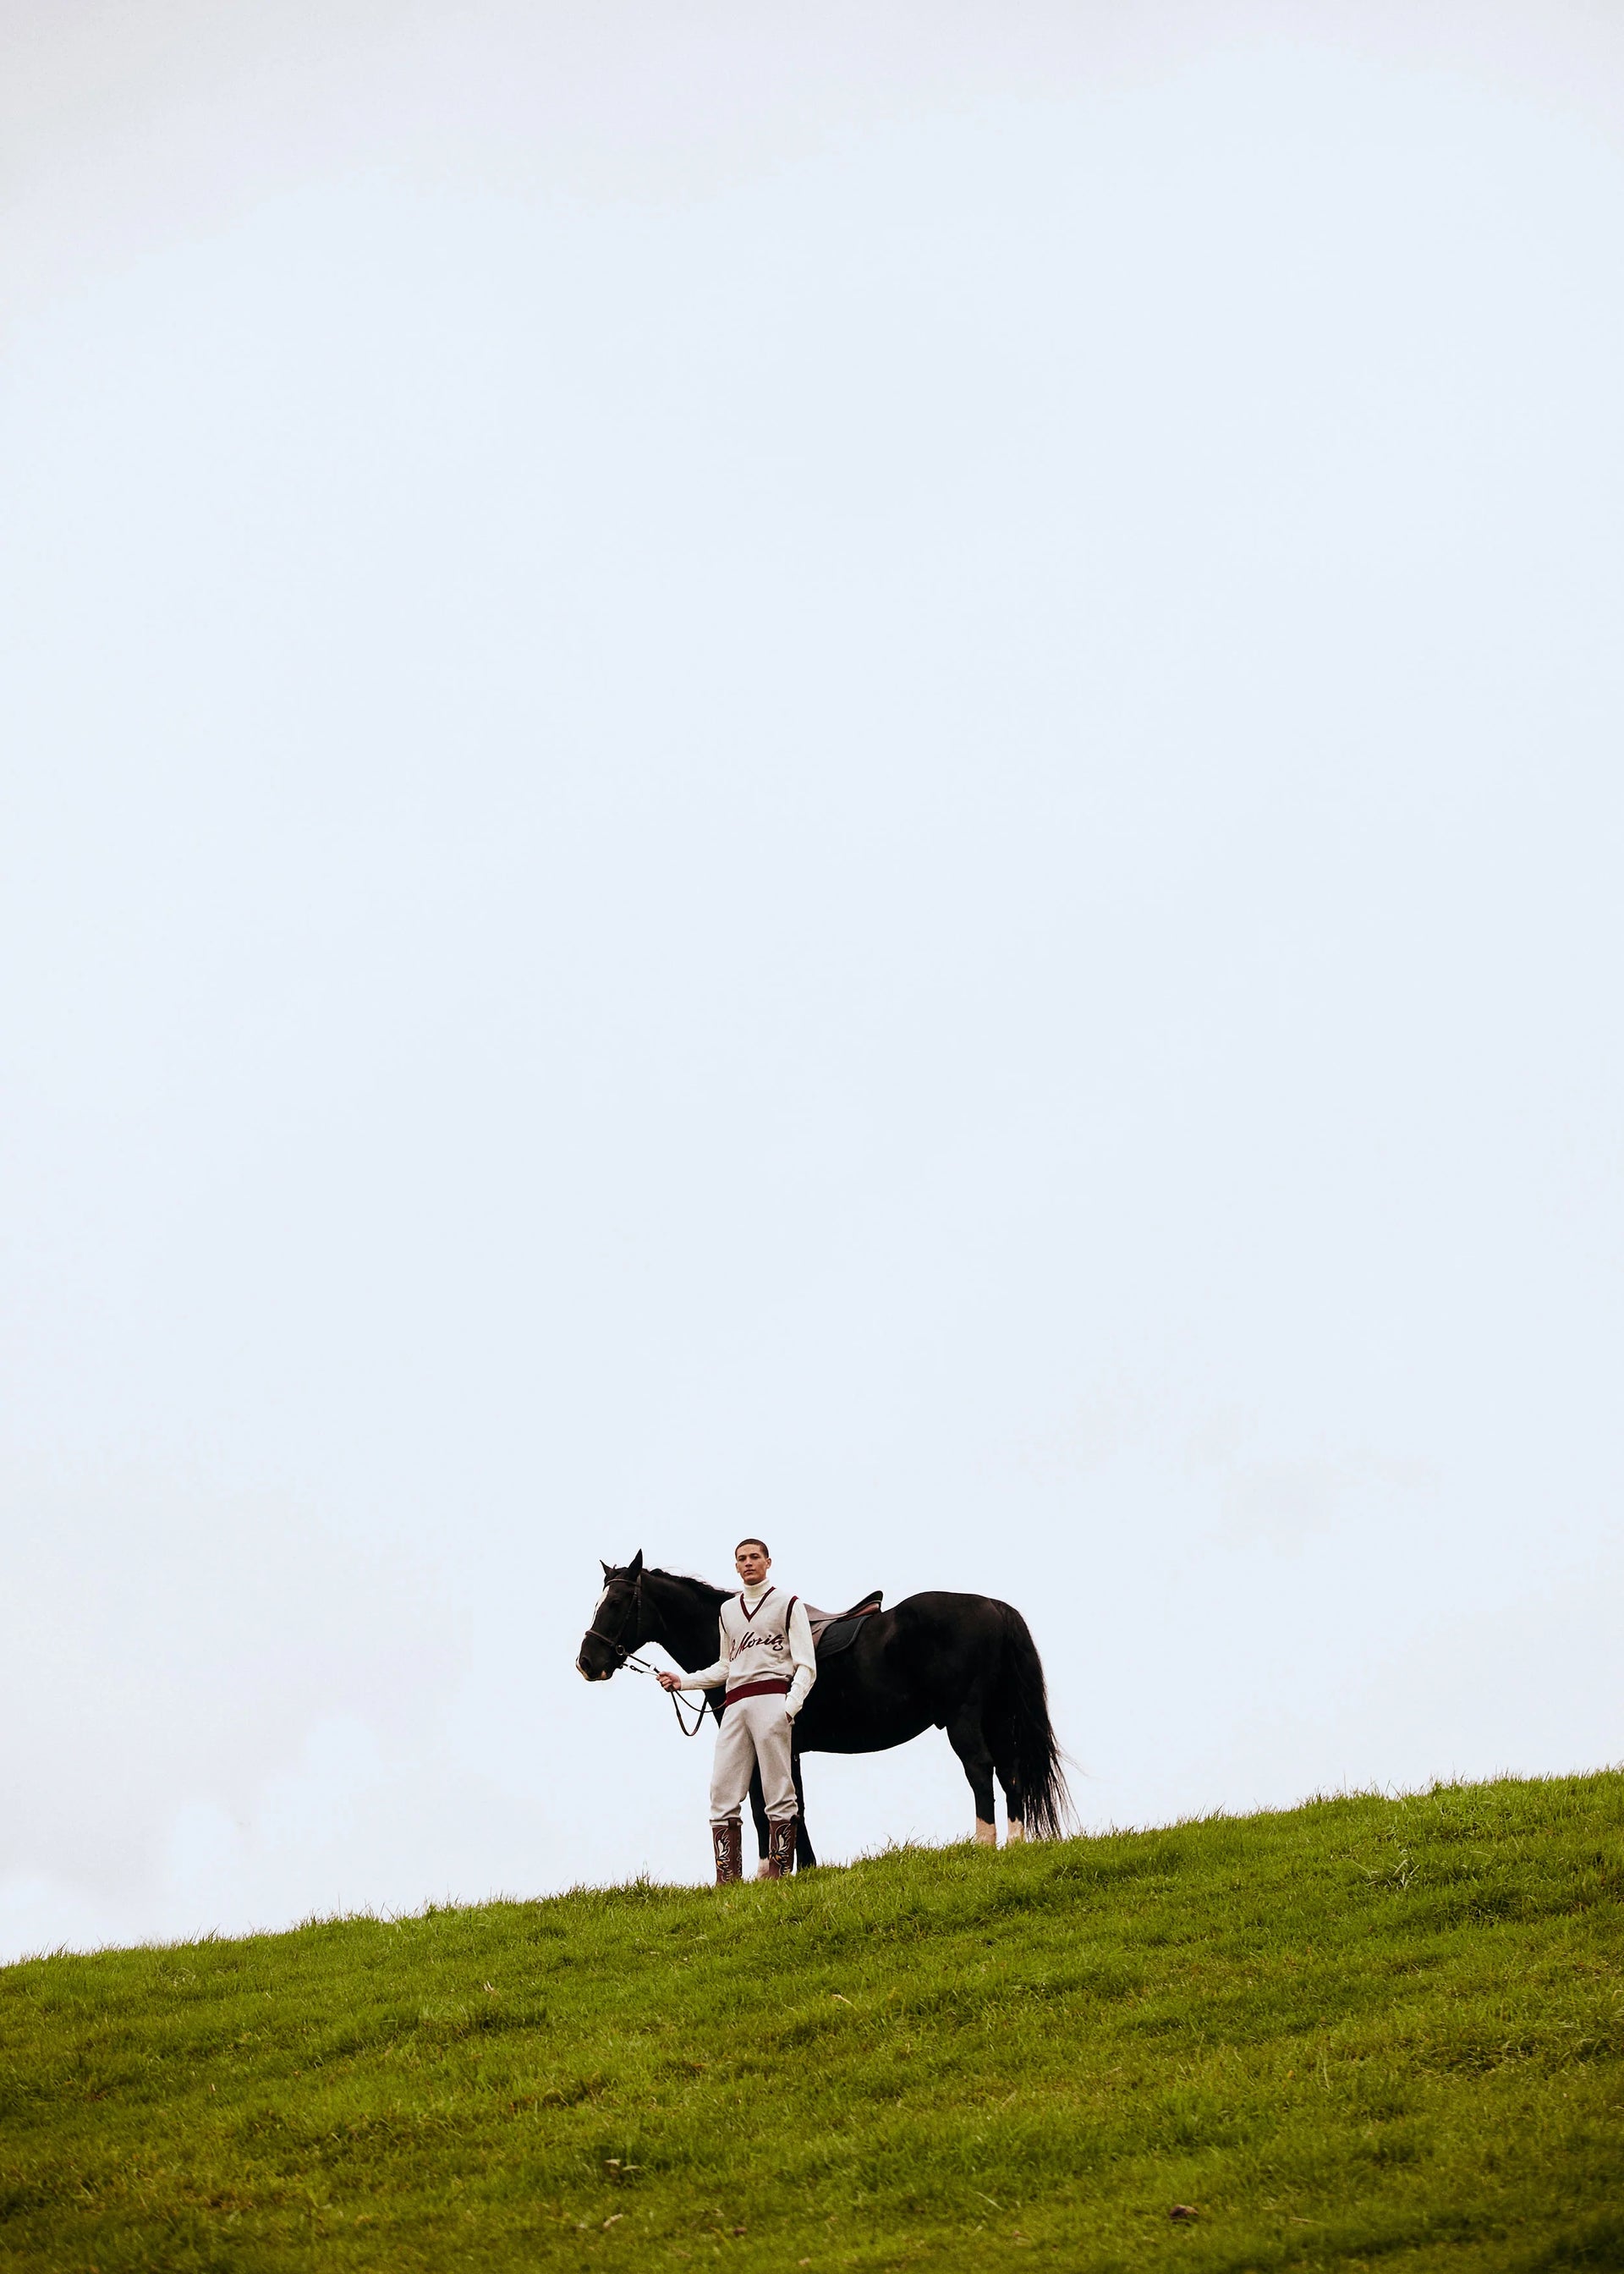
x=766, y=1646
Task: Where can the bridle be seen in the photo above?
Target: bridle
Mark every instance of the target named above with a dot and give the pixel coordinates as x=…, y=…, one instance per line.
x=623, y=1658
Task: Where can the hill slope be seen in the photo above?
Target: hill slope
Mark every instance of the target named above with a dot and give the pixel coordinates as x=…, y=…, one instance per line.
x=1369, y=2032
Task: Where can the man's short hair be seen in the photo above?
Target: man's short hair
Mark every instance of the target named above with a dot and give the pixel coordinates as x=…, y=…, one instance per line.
x=750, y=1541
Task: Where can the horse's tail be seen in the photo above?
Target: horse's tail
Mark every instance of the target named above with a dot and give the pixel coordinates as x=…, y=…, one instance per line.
x=1046, y=1804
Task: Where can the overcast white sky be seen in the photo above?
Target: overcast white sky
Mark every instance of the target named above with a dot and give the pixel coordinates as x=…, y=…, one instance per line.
x=853, y=772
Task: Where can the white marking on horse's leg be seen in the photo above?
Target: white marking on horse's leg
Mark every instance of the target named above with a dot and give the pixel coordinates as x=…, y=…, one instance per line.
x=986, y=1834
x=1017, y=1831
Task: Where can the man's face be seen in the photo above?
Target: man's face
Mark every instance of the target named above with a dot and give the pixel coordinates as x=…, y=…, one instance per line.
x=752, y=1562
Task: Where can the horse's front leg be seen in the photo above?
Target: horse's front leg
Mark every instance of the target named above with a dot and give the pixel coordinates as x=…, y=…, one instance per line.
x=805, y=1860
x=758, y=1810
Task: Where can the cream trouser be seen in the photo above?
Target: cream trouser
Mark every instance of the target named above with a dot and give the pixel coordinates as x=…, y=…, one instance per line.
x=754, y=1730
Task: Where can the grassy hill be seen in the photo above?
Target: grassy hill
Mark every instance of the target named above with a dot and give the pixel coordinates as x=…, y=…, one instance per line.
x=1366, y=2033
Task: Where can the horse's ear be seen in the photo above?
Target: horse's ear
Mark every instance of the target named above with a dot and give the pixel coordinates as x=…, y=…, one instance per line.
x=608, y=1568
x=635, y=1565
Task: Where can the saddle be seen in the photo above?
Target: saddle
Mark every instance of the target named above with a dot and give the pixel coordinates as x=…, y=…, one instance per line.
x=833, y=1631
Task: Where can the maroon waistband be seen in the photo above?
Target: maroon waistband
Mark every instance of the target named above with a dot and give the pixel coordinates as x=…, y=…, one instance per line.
x=771, y=1685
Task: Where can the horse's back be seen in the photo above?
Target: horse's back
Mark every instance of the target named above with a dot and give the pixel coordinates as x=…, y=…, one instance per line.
x=908, y=1669
x=937, y=1640
x=938, y=1611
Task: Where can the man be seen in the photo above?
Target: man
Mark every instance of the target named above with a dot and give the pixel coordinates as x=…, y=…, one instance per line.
x=767, y=1665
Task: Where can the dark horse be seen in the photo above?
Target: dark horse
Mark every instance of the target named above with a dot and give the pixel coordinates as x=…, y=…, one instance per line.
x=962, y=1663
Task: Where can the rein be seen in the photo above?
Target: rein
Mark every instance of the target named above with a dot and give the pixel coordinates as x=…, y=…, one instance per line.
x=640, y=1666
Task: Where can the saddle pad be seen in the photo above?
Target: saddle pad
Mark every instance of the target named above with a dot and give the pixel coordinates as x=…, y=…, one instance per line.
x=839, y=1634
x=832, y=1633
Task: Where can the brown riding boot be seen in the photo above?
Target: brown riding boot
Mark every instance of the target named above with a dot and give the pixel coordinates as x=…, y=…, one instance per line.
x=728, y=1841
x=780, y=1847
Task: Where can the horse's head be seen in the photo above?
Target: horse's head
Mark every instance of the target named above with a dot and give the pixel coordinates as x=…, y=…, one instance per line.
x=617, y=1627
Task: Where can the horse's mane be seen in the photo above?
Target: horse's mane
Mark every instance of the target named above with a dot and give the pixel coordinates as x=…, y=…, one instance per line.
x=687, y=1579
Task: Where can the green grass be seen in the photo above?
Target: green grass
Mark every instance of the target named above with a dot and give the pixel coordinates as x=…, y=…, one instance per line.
x=1368, y=2033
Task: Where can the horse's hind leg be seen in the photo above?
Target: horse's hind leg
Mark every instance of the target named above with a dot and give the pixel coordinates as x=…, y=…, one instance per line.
x=1003, y=1761
x=968, y=1739
x=758, y=1811
x=805, y=1860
